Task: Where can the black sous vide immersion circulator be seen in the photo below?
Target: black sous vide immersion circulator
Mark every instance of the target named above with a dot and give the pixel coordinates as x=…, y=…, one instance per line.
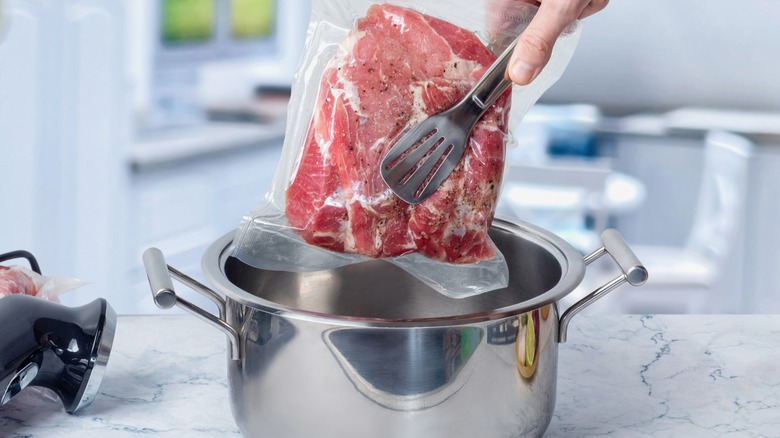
x=45, y=344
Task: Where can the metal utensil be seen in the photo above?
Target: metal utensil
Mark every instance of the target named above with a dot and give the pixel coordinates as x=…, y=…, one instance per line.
x=426, y=155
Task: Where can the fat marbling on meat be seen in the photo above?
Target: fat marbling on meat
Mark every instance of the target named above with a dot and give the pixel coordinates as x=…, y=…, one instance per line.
x=14, y=281
x=396, y=68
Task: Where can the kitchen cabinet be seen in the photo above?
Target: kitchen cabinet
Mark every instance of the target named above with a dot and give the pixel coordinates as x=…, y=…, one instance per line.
x=181, y=199
x=762, y=235
x=79, y=192
x=620, y=375
x=664, y=151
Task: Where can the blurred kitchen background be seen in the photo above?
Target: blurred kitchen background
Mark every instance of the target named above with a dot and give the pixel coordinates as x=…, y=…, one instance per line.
x=130, y=124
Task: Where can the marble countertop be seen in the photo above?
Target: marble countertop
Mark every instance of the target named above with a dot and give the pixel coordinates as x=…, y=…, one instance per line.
x=621, y=375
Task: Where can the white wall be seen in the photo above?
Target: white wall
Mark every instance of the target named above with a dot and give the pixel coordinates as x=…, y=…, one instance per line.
x=664, y=54
x=63, y=138
x=24, y=137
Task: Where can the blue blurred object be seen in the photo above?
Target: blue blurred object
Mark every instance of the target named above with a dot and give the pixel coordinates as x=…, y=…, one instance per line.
x=570, y=129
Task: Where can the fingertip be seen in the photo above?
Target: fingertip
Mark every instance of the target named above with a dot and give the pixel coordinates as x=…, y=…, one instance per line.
x=533, y=50
x=535, y=45
x=521, y=72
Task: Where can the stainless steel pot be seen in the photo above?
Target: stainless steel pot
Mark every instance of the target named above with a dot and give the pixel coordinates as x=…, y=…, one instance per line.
x=368, y=350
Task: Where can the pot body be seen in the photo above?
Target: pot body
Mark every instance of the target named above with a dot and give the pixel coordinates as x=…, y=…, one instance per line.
x=299, y=378
x=367, y=350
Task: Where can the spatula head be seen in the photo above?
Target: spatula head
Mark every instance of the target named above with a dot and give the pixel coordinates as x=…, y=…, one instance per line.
x=423, y=158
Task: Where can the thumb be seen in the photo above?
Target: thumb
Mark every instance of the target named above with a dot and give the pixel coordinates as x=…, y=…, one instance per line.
x=536, y=42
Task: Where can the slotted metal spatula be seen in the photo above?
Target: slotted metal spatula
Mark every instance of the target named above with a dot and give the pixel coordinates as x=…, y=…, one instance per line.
x=426, y=155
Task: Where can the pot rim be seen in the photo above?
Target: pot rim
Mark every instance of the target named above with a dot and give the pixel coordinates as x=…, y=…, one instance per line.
x=572, y=273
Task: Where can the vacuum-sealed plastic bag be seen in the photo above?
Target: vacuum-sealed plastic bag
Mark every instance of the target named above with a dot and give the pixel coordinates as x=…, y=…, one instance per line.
x=21, y=280
x=370, y=72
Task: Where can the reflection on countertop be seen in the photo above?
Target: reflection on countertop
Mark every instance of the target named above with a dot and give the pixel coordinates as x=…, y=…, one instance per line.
x=620, y=375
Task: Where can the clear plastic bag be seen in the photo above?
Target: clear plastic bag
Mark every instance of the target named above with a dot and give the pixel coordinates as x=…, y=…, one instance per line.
x=371, y=71
x=21, y=280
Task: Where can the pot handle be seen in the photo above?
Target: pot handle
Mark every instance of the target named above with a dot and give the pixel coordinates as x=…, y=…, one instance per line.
x=159, y=274
x=632, y=269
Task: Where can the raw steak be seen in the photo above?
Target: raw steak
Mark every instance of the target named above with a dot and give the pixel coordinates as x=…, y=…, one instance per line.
x=396, y=68
x=13, y=281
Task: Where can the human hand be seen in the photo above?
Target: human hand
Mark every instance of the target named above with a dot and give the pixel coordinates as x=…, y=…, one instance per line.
x=537, y=40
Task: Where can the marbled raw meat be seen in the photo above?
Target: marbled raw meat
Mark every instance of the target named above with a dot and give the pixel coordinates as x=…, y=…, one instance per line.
x=13, y=281
x=397, y=67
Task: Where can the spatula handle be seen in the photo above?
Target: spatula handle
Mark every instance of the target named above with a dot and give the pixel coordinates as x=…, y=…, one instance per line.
x=493, y=83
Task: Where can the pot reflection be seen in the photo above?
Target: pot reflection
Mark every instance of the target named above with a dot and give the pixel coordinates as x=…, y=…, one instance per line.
x=264, y=336
x=526, y=333
x=406, y=369
x=503, y=333
x=529, y=332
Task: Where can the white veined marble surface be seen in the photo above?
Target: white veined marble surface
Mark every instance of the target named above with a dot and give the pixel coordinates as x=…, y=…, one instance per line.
x=619, y=376
x=669, y=376
x=166, y=377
